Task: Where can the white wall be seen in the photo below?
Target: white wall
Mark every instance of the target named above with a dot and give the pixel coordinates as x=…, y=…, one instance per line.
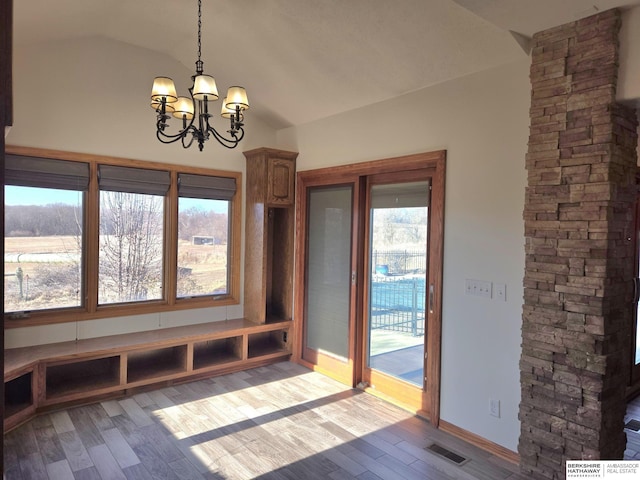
x=482, y=121
x=92, y=96
x=629, y=73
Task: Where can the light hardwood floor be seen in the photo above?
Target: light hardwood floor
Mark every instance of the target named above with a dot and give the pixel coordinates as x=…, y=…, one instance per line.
x=277, y=422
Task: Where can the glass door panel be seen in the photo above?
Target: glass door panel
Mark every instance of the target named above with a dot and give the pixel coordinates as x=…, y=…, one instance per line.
x=397, y=280
x=328, y=296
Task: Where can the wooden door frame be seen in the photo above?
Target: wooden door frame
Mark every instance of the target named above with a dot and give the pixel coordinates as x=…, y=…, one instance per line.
x=435, y=161
x=634, y=372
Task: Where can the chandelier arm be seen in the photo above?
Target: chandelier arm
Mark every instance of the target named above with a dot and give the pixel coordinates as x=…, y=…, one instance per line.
x=185, y=144
x=225, y=141
x=168, y=138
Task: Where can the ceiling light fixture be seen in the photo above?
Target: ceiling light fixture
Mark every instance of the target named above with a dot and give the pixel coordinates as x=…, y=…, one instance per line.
x=165, y=101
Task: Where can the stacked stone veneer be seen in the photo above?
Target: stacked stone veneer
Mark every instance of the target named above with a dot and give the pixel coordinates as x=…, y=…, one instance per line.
x=579, y=220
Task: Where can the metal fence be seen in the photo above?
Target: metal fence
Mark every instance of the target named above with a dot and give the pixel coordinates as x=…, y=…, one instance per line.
x=399, y=262
x=398, y=305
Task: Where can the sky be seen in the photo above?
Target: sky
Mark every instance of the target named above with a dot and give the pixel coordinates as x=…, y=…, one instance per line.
x=15, y=195
x=39, y=196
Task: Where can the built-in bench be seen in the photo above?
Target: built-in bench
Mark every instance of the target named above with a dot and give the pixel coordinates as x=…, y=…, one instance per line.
x=43, y=377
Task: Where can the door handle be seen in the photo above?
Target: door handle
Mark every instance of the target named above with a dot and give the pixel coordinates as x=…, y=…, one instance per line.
x=431, y=297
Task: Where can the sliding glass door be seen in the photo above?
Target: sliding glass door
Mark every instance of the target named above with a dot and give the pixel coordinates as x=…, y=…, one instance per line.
x=369, y=275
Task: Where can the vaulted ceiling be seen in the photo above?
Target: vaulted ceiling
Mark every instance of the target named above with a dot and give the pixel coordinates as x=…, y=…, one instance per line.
x=302, y=60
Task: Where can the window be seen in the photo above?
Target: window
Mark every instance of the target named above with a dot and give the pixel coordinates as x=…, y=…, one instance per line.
x=203, y=234
x=43, y=248
x=93, y=237
x=131, y=234
x=44, y=234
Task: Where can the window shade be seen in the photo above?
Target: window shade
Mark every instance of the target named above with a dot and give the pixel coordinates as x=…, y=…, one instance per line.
x=46, y=173
x=399, y=195
x=133, y=180
x=203, y=186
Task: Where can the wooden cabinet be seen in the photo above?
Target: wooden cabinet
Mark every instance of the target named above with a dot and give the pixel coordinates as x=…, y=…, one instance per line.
x=270, y=222
x=280, y=181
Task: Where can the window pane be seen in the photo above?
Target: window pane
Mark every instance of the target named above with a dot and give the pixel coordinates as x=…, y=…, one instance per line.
x=43, y=248
x=131, y=239
x=203, y=242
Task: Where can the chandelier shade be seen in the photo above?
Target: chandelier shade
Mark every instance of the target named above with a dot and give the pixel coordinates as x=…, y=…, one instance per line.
x=163, y=87
x=183, y=108
x=226, y=112
x=237, y=96
x=204, y=88
x=194, y=109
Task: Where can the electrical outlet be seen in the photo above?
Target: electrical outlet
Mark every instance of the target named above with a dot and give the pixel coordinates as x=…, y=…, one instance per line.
x=500, y=291
x=494, y=408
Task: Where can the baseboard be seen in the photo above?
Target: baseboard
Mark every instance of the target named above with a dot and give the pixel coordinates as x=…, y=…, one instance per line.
x=481, y=442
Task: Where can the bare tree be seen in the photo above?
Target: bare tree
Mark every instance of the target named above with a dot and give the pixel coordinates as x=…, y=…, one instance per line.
x=130, y=246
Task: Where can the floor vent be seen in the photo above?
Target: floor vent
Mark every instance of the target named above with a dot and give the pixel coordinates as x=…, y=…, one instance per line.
x=633, y=425
x=446, y=453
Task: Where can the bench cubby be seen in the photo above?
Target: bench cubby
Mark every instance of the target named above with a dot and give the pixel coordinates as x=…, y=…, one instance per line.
x=18, y=394
x=211, y=353
x=70, y=380
x=146, y=365
x=267, y=343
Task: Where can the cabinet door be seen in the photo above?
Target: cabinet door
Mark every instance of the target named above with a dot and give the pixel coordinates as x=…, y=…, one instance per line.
x=280, y=182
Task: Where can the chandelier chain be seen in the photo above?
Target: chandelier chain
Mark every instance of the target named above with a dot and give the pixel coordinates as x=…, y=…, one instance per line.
x=199, y=27
x=199, y=63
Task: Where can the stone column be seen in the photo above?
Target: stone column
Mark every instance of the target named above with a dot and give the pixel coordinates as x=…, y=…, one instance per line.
x=579, y=218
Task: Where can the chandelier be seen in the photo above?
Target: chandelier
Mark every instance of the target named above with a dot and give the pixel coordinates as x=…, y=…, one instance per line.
x=194, y=110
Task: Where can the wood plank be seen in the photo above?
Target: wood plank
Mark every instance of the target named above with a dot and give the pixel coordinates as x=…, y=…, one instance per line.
x=104, y=462
x=157, y=437
x=84, y=426
x=32, y=466
x=185, y=469
x=99, y=417
x=62, y=421
x=49, y=445
x=137, y=472
x=59, y=470
x=120, y=449
x=154, y=463
x=75, y=451
x=90, y=473
x=112, y=407
x=135, y=412
x=24, y=440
